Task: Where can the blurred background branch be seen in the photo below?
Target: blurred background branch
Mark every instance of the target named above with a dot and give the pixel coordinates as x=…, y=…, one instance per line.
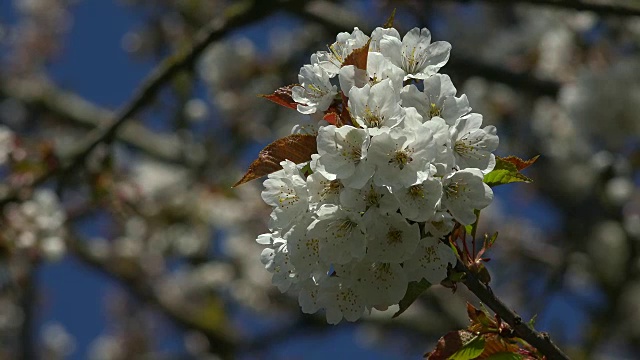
x=615, y=8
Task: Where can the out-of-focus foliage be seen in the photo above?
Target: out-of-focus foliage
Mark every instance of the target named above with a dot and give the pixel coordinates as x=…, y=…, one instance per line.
x=154, y=208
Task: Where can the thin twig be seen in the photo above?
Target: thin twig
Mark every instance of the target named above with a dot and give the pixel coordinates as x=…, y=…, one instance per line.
x=599, y=8
x=27, y=302
x=72, y=108
x=540, y=341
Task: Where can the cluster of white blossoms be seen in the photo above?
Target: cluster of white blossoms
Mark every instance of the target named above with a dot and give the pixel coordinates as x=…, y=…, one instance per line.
x=385, y=186
x=6, y=143
x=36, y=226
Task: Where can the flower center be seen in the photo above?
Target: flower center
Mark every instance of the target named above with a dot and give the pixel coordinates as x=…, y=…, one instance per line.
x=354, y=153
x=394, y=236
x=372, y=198
x=344, y=227
x=453, y=190
x=414, y=61
x=401, y=158
x=288, y=197
x=372, y=120
x=434, y=110
x=417, y=191
x=462, y=148
x=431, y=255
x=313, y=246
x=331, y=188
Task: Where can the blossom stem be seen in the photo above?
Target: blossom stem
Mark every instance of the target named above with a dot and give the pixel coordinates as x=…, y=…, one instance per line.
x=540, y=341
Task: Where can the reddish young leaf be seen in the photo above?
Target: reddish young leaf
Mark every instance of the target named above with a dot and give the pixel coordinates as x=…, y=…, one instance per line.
x=297, y=148
x=358, y=57
x=389, y=23
x=338, y=112
x=480, y=320
x=495, y=345
x=331, y=117
x=519, y=163
x=282, y=97
x=449, y=344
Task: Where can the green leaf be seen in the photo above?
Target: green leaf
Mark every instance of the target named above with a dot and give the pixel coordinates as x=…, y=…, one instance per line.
x=491, y=240
x=505, y=356
x=389, y=22
x=306, y=170
x=468, y=228
x=414, y=290
x=455, y=250
x=505, y=172
x=449, y=344
x=480, y=317
x=470, y=350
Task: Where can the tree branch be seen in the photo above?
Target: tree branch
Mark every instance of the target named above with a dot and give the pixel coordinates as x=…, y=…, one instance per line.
x=220, y=342
x=78, y=111
x=27, y=299
x=237, y=15
x=245, y=12
x=540, y=341
x=599, y=8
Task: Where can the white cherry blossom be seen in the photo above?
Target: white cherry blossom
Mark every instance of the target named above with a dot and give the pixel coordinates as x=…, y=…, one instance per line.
x=343, y=153
x=377, y=35
x=315, y=92
x=309, y=296
x=276, y=260
x=415, y=54
x=381, y=284
x=340, y=299
x=304, y=250
x=286, y=191
x=321, y=189
x=440, y=224
x=429, y=261
x=437, y=99
x=464, y=191
x=391, y=238
x=368, y=197
x=444, y=161
x=402, y=156
x=376, y=107
x=473, y=146
x=418, y=202
x=340, y=234
x=331, y=61
x=378, y=68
